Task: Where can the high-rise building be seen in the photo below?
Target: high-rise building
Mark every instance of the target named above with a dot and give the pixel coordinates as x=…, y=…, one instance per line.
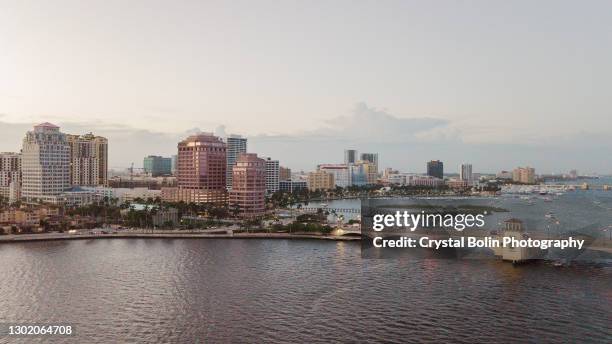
x=284, y=173
x=248, y=186
x=236, y=145
x=350, y=156
x=157, y=165
x=174, y=167
x=272, y=175
x=10, y=176
x=435, y=168
x=370, y=157
x=465, y=173
x=340, y=172
x=88, y=159
x=201, y=171
x=357, y=175
x=45, y=163
x=525, y=175
x=320, y=180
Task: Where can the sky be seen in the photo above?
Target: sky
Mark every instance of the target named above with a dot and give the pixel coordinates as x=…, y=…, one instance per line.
x=495, y=83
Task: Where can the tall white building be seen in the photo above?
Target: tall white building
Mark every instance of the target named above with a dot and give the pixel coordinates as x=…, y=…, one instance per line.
x=88, y=160
x=236, y=145
x=465, y=173
x=272, y=175
x=10, y=176
x=45, y=163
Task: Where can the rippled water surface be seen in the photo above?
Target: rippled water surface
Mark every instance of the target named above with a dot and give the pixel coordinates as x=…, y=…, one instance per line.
x=147, y=290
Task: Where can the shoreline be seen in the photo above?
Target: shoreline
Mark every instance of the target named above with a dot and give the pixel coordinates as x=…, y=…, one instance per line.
x=61, y=236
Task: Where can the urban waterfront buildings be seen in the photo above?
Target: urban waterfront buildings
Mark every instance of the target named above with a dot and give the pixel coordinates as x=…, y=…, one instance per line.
x=293, y=185
x=248, y=186
x=236, y=145
x=340, y=171
x=201, y=171
x=465, y=173
x=409, y=179
x=88, y=160
x=284, y=173
x=272, y=175
x=45, y=163
x=350, y=156
x=157, y=165
x=371, y=158
x=358, y=174
x=321, y=180
x=10, y=176
x=435, y=168
x=525, y=175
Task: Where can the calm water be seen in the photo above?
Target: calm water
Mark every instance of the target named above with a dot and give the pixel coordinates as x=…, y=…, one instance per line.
x=146, y=291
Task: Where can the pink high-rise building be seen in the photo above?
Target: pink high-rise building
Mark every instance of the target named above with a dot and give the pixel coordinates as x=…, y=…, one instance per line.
x=249, y=186
x=201, y=166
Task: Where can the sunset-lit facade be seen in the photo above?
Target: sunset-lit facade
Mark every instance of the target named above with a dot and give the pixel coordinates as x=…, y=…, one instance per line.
x=249, y=186
x=201, y=171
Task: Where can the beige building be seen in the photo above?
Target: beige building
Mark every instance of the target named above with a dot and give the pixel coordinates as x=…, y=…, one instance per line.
x=371, y=171
x=525, y=175
x=88, y=160
x=284, y=173
x=321, y=180
x=10, y=176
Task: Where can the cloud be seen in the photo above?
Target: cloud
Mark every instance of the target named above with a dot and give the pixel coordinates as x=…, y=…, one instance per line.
x=371, y=124
x=404, y=143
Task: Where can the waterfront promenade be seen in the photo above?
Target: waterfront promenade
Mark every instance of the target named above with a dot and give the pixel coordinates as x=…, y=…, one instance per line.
x=204, y=234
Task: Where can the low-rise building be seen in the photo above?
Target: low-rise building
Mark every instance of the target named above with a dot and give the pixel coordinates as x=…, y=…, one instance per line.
x=321, y=180
x=340, y=171
x=293, y=185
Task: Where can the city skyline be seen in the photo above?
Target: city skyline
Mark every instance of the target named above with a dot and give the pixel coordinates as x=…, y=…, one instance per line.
x=497, y=84
x=300, y=155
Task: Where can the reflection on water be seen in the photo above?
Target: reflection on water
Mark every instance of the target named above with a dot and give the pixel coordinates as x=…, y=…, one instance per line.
x=293, y=291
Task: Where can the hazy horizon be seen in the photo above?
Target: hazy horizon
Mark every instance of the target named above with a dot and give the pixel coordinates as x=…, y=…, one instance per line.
x=496, y=84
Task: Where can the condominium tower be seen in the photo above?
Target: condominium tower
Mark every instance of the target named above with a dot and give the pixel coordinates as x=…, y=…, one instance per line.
x=10, y=176
x=249, y=186
x=272, y=175
x=465, y=172
x=88, y=160
x=236, y=145
x=525, y=175
x=45, y=163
